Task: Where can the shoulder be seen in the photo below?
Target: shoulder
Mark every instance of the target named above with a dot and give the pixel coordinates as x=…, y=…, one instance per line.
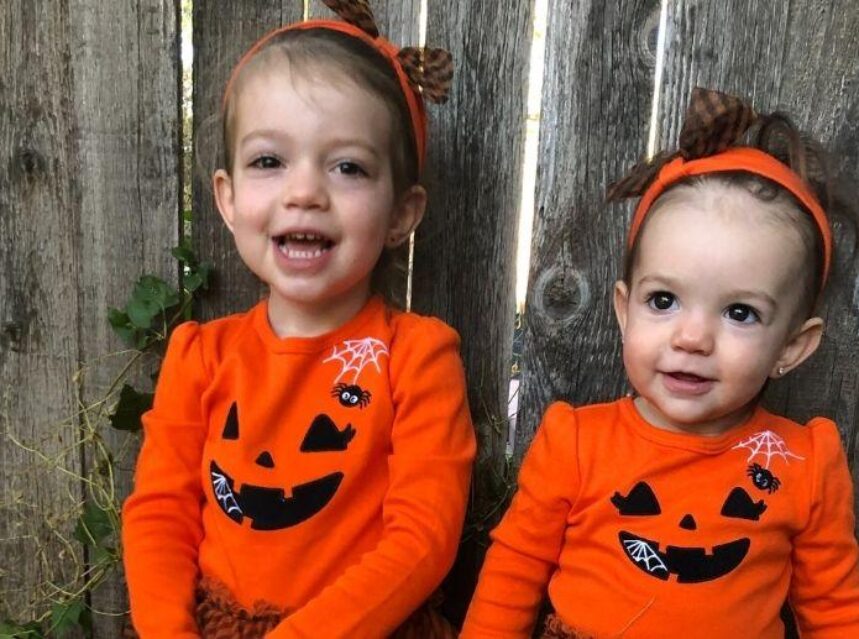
x=819, y=436
x=214, y=337
x=408, y=327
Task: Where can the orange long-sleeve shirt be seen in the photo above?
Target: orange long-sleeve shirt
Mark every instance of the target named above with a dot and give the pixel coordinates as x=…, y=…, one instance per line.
x=327, y=476
x=642, y=533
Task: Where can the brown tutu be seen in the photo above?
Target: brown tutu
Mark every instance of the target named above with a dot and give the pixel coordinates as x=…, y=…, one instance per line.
x=219, y=616
x=554, y=628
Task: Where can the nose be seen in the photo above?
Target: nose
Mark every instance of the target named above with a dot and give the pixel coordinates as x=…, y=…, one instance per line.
x=305, y=187
x=693, y=333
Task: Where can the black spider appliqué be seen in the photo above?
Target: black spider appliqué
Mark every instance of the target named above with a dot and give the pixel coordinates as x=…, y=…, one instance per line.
x=350, y=395
x=763, y=478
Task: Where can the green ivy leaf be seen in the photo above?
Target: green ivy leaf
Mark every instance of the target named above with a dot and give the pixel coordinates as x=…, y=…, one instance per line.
x=141, y=312
x=184, y=254
x=69, y=615
x=11, y=630
x=94, y=526
x=129, y=408
x=121, y=325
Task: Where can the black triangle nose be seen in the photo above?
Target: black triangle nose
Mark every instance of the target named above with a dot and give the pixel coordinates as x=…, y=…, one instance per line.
x=688, y=523
x=265, y=460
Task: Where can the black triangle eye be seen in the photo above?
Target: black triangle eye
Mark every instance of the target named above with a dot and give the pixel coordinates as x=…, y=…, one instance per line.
x=741, y=506
x=640, y=501
x=231, y=427
x=323, y=435
x=265, y=460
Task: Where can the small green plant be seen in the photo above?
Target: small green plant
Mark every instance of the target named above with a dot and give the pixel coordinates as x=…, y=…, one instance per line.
x=144, y=325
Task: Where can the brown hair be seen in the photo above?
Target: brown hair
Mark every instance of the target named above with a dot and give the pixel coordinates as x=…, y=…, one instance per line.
x=311, y=50
x=777, y=136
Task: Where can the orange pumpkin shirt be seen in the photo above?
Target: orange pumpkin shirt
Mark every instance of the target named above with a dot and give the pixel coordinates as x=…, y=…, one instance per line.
x=642, y=533
x=327, y=476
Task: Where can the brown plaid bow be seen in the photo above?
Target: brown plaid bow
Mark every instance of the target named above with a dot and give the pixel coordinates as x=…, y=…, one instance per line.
x=714, y=121
x=428, y=70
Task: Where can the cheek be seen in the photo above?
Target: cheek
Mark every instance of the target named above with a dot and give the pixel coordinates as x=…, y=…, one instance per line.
x=749, y=360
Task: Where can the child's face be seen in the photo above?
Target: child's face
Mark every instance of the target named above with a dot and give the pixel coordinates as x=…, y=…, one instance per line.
x=311, y=200
x=710, y=311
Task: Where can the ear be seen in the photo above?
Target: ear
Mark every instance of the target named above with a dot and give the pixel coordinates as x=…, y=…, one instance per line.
x=621, y=305
x=407, y=214
x=222, y=185
x=799, y=347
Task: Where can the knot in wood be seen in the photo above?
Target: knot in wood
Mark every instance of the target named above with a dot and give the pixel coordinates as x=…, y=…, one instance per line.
x=561, y=293
x=28, y=164
x=11, y=336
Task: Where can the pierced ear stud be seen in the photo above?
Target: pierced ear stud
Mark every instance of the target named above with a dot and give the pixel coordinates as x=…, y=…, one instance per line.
x=780, y=371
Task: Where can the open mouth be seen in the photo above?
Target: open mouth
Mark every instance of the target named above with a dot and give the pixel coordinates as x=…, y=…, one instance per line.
x=688, y=378
x=690, y=564
x=303, y=245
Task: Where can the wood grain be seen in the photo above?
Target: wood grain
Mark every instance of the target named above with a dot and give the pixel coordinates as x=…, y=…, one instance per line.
x=465, y=249
x=126, y=70
x=89, y=199
x=596, y=107
x=39, y=340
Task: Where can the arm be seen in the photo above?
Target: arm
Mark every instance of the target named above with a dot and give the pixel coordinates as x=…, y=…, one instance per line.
x=825, y=584
x=528, y=541
x=432, y=449
x=161, y=527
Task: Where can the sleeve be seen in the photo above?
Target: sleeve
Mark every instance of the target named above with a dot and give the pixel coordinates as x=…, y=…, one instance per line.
x=527, y=543
x=432, y=450
x=161, y=520
x=825, y=583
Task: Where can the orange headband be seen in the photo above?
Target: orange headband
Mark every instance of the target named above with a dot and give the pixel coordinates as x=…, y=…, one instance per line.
x=389, y=51
x=737, y=159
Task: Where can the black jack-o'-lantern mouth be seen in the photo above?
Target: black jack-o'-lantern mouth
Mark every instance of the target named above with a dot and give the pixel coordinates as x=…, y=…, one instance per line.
x=267, y=507
x=691, y=564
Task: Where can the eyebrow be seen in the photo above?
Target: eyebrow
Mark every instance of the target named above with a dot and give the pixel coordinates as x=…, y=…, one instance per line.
x=333, y=143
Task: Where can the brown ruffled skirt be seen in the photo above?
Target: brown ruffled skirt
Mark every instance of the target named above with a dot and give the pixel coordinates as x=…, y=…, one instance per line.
x=554, y=628
x=219, y=616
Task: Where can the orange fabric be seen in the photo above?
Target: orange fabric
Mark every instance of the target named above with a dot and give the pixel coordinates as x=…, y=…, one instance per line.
x=737, y=159
x=388, y=50
x=646, y=534
x=301, y=474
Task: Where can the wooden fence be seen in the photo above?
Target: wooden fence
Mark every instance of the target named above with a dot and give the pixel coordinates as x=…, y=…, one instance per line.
x=91, y=197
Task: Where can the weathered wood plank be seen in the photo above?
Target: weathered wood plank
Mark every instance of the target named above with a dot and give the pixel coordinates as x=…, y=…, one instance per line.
x=596, y=108
x=802, y=58
x=465, y=249
x=126, y=70
x=223, y=30
x=39, y=305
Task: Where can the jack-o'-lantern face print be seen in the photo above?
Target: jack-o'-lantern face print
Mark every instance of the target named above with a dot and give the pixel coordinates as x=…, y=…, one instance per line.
x=688, y=564
x=267, y=507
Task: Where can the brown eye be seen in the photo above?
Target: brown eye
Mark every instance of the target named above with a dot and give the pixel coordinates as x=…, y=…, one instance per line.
x=742, y=313
x=266, y=162
x=661, y=301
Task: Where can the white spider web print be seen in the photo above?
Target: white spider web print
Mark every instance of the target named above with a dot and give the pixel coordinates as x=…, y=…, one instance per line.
x=768, y=445
x=224, y=493
x=357, y=354
x=642, y=553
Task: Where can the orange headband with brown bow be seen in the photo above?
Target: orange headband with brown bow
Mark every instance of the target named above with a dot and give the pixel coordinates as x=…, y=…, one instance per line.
x=421, y=72
x=714, y=122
